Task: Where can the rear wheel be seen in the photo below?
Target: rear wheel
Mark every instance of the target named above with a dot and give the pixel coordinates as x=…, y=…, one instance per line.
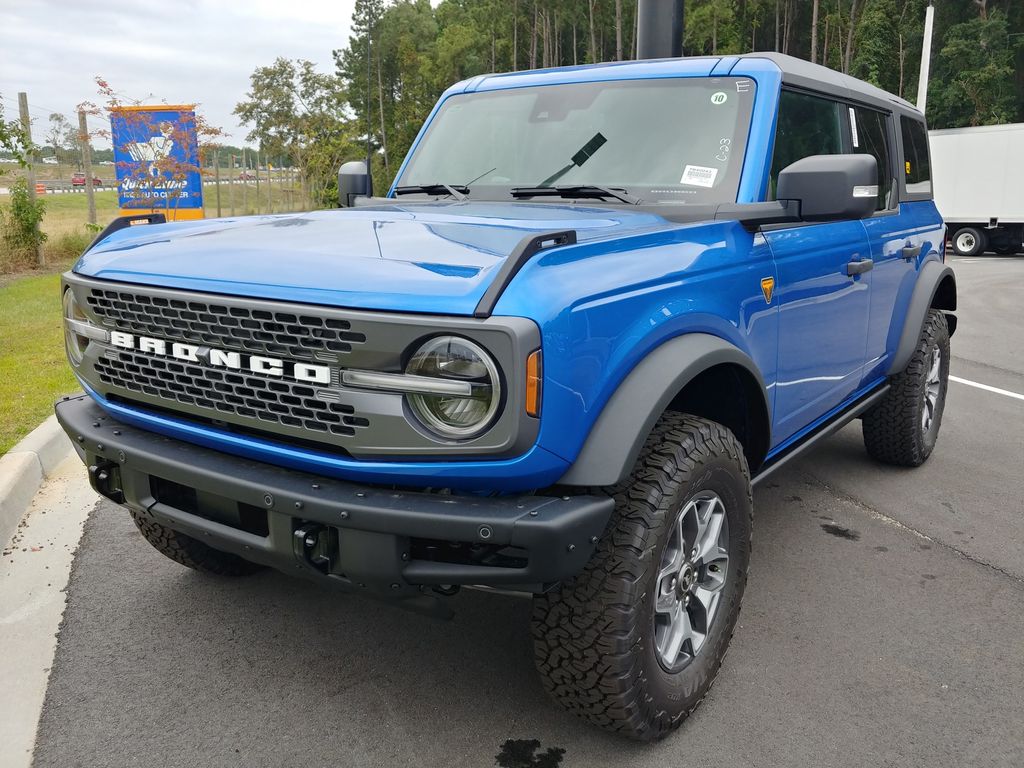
x=970, y=241
x=634, y=643
x=190, y=552
x=903, y=427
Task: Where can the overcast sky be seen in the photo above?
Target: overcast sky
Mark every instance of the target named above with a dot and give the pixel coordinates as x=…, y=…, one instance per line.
x=179, y=52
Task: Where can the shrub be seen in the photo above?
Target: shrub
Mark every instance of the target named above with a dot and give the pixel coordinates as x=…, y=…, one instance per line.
x=68, y=245
x=19, y=227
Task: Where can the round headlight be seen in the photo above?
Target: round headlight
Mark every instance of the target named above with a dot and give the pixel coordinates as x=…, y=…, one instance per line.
x=455, y=359
x=73, y=342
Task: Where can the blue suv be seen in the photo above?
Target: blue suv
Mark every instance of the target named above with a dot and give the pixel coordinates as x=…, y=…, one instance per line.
x=596, y=307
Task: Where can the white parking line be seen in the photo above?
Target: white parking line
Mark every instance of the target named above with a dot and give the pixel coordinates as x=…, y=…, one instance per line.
x=986, y=387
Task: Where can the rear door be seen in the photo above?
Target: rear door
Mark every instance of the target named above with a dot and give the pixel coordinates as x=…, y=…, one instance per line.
x=823, y=311
x=894, y=233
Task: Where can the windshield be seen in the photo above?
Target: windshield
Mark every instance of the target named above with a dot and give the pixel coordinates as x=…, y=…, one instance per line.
x=675, y=140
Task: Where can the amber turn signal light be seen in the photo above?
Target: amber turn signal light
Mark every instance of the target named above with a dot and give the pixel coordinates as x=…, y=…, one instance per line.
x=534, y=372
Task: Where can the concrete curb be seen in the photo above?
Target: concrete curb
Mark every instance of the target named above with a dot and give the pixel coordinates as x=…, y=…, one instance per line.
x=23, y=469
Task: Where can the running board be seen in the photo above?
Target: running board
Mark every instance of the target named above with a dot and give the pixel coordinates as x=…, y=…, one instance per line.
x=830, y=427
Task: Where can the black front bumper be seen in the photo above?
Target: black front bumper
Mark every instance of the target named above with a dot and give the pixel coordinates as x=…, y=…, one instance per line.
x=391, y=543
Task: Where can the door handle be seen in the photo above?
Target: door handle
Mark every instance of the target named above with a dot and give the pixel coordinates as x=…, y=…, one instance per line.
x=859, y=267
x=911, y=252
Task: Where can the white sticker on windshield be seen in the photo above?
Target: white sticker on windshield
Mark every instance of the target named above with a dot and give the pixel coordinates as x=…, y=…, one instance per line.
x=853, y=127
x=719, y=97
x=699, y=176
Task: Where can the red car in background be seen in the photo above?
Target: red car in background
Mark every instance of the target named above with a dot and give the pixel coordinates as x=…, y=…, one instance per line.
x=78, y=180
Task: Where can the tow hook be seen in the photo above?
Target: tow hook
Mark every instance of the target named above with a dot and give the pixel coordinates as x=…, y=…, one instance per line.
x=314, y=544
x=105, y=477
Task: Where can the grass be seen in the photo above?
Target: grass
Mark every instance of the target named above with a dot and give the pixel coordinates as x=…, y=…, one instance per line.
x=33, y=370
x=47, y=172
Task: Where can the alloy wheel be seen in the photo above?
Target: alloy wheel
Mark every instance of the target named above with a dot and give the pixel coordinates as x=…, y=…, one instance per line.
x=692, y=574
x=932, y=390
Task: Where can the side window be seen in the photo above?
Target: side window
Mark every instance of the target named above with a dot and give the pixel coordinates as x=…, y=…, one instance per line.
x=868, y=136
x=807, y=125
x=916, y=166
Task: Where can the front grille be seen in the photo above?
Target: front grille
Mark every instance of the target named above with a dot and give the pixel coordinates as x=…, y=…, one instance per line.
x=257, y=331
x=290, y=404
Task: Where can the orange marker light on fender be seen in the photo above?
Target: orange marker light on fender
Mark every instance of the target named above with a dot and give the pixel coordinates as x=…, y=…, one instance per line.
x=534, y=374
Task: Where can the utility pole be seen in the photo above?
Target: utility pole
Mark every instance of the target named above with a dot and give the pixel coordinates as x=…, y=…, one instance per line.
x=256, y=172
x=369, y=122
x=245, y=183
x=83, y=138
x=30, y=173
x=216, y=178
x=926, y=58
x=231, y=184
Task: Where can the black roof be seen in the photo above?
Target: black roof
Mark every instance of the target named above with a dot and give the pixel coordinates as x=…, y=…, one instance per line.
x=803, y=74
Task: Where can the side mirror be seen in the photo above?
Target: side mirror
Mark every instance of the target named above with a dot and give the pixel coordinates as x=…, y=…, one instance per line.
x=831, y=187
x=353, y=181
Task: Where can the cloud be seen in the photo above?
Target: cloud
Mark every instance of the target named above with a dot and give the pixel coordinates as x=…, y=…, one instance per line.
x=188, y=51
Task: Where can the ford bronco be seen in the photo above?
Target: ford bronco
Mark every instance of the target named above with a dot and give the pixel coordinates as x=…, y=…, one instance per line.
x=595, y=307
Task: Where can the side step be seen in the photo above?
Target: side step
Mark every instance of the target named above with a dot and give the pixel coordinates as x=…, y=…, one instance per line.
x=828, y=428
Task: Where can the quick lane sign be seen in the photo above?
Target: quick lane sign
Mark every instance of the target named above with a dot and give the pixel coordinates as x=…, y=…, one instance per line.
x=156, y=151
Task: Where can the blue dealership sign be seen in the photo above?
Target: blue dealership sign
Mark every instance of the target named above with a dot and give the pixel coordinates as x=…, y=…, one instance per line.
x=156, y=151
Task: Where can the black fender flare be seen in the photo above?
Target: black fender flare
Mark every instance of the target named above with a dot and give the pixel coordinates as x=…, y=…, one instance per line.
x=615, y=440
x=929, y=281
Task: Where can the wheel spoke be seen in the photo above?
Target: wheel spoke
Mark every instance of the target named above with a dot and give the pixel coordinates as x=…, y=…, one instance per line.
x=707, y=544
x=666, y=600
x=679, y=631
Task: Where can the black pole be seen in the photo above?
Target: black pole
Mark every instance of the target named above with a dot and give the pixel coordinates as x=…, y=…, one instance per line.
x=659, y=32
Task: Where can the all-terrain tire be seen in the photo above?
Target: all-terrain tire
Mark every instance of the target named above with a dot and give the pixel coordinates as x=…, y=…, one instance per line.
x=897, y=430
x=594, y=636
x=190, y=552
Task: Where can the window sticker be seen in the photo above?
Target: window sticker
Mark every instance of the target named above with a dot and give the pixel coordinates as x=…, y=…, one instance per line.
x=719, y=97
x=908, y=167
x=699, y=176
x=853, y=127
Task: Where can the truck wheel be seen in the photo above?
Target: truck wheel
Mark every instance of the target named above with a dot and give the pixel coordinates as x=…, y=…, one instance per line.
x=903, y=427
x=970, y=241
x=634, y=642
x=190, y=552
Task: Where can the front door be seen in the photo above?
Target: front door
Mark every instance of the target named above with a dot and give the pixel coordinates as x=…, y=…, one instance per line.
x=823, y=320
x=823, y=288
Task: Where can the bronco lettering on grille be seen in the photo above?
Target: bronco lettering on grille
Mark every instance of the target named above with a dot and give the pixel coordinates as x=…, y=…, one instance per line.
x=195, y=353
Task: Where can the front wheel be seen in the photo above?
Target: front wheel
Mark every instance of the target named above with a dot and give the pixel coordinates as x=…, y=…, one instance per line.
x=903, y=427
x=634, y=643
x=190, y=552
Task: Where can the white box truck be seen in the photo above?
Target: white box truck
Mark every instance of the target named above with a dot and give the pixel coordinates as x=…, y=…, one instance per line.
x=978, y=175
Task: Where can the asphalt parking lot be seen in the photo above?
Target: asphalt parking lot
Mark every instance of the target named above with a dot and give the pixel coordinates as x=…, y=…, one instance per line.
x=883, y=625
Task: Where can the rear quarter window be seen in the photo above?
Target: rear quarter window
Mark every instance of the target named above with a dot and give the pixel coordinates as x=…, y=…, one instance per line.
x=917, y=172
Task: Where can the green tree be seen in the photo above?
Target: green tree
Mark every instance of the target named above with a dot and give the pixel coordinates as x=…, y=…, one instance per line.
x=298, y=113
x=974, y=74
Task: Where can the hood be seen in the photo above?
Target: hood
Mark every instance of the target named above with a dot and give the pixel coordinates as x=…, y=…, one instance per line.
x=420, y=257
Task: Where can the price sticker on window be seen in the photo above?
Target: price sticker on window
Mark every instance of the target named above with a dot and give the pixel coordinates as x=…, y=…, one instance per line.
x=699, y=176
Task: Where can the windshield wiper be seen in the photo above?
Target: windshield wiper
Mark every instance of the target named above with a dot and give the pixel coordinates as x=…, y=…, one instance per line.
x=459, y=191
x=577, y=190
x=585, y=153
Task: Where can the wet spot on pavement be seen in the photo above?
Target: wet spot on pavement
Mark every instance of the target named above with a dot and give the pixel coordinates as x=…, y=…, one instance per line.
x=840, y=532
x=881, y=549
x=522, y=753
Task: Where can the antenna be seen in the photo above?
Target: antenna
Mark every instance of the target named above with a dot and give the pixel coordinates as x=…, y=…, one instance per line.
x=369, y=121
